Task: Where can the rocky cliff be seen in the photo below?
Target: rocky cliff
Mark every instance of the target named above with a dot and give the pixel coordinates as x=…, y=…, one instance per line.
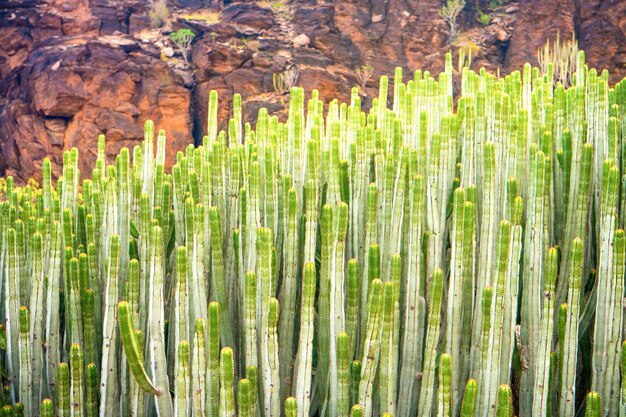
x=70, y=70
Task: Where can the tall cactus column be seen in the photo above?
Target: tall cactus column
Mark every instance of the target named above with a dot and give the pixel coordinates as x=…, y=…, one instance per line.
x=536, y=242
x=605, y=354
x=570, y=341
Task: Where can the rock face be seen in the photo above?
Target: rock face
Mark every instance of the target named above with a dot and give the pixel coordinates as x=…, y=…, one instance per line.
x=70, y=70
x=67, y=93
x=529, y=34
x=603, y=28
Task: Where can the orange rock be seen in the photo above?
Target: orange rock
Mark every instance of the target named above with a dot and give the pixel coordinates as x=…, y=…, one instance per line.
x=97, y=88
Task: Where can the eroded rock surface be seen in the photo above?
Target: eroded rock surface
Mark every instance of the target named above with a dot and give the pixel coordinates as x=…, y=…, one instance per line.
x=67, y=93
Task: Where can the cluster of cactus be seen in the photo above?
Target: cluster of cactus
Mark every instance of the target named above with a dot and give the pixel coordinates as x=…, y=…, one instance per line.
x=417, y=259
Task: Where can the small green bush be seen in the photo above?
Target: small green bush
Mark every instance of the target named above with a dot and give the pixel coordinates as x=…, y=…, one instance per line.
x=484, y=18
x=449, y=13
x=182, y=39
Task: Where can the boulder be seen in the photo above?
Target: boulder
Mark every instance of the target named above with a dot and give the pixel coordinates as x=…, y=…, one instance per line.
x=216, y=58
x=300, y=41
x=250, y=15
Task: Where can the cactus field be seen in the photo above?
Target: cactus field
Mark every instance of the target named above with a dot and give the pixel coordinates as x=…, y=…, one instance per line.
x=454, y=249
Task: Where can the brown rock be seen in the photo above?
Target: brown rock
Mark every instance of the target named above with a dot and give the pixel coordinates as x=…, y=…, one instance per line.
x=531, y=30
x=17, y=33
x=502, y=35
x=98, y=88
x=602, y=35
x=168, y=51
x=261, y=61
x=56, y=130
x=300, y=41
x=58, y=93
x=216, y=58
x=195, y=3
x=27, y=144
x=49, y=21
x=311, y=57
x=138, y=22
x=250, y=15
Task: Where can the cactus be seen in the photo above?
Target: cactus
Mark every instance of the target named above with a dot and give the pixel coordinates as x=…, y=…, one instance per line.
x=250, y=320
x=304, y=358
x=291, y=407
x=47, y=409
x=181, y=301
x=468, y=406
x=63, y=393
x=372, y=343
x=612, y=333
x=534, y=260
x=36, y=335
x=243, y=398
x=541, y=399
x=12, y=305
x=252, y=375
x=343, y=375
x=387, y=373
x=52, y=303
x=432, y=339
x=156, y=344
x=505, y=402
x=570, y=340
x=109, y=368
x=227, y=392
x=91, y=398
x=131, y=349
x=271, y=381
x=78, y=390
x=198, y=369
x=89, y=326
x=407, y=259
x=26, y=382
x=288, y=293
x=459, y=305
x=602, y=331
x=217, y=284
x=622, y=403
x=183, y=380
x=593, y=406
x=414, y=303
x=444, y=392
x=212, y=355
